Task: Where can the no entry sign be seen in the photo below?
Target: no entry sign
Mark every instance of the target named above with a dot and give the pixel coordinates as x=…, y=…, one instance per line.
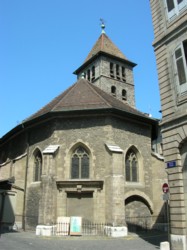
x=165, y=188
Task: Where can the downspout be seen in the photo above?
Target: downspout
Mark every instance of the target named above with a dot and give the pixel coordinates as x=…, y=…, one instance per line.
x=25, y=184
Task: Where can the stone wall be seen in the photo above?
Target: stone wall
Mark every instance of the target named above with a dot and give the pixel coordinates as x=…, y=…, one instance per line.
x=45, y=201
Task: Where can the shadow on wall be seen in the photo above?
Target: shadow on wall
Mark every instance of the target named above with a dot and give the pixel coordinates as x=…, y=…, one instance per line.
x=7, y=214
x=32, y=207
x=141, y=221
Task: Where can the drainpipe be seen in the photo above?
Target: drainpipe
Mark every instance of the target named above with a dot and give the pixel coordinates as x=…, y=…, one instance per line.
x=25, y=184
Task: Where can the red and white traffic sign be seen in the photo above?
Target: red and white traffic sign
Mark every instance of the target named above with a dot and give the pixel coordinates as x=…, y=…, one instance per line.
x=165, y=188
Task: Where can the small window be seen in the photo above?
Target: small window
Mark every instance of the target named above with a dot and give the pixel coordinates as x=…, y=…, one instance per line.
x=111, y=69
x=131, y=166
x=180, y=57
x=124, y=94
x=93, y=73
x=37, y=166
x=80, y=164
x=113, y=90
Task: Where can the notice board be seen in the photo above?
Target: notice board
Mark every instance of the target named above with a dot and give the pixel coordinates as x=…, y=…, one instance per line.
x=75, y=225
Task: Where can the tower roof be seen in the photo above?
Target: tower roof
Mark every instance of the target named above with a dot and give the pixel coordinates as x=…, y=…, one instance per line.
x=104, y=44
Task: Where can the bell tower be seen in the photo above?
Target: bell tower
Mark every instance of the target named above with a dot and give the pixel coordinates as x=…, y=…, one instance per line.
x=108, y=68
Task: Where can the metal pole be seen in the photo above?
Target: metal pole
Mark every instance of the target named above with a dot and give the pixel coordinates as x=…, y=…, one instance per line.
x=168, y=220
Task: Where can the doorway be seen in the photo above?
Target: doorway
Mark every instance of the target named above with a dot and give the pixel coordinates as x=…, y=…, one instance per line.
x=80, y=204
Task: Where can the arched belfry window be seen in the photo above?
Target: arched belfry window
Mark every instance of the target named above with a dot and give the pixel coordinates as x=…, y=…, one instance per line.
x=93, y=73
x=113, y=90
x=37, y=165
x=131, y=166
x=80, y=163
x=124, y=94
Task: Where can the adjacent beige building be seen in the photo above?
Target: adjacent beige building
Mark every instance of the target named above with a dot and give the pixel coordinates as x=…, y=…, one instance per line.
x=170, y=44
x=89, y=152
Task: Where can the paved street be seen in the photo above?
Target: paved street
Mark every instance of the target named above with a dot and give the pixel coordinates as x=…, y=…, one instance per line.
x=28, y=241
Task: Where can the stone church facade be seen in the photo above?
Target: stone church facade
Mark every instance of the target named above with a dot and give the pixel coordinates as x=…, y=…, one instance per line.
x=89, y=152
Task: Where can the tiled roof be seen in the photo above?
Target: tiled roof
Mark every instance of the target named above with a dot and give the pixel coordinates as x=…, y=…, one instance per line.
x=83, y=95
x=104, y=44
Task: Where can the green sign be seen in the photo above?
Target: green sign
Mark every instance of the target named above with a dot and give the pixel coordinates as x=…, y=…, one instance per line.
x=75, y=225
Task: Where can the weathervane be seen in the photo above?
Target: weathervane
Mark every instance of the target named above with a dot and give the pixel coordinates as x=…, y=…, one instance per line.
x=102, y=25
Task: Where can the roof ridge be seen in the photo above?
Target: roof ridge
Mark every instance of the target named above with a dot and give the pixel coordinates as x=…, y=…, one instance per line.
x=117, y=100
x=65, y=93
x=91, y=86
x=56, y=99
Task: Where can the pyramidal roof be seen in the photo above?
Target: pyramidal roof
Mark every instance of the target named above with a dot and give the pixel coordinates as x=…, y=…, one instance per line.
x=84, y=96
x=104, y=44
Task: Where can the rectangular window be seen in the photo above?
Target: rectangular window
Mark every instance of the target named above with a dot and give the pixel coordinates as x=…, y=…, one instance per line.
x=174, y=7
x=180, y=56
x=170, y=5
x=170, y=8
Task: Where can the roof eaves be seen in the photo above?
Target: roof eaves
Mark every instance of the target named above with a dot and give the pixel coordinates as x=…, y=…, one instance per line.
x=85, y=64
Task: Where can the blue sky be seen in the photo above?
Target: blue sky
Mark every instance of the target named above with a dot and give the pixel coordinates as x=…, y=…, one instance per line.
x=43, y=41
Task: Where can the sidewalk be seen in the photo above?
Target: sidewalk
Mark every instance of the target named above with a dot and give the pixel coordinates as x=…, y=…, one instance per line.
x=29, y=241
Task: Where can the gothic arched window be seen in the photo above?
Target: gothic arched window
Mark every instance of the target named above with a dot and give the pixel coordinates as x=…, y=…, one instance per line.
x=37, y=165
x=80, y=164
x=131, y=166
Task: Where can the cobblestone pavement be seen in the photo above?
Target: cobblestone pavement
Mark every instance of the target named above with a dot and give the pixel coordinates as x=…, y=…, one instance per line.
x=29, y=241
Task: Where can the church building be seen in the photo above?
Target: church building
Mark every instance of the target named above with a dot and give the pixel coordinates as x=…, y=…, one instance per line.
x=89, y=152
